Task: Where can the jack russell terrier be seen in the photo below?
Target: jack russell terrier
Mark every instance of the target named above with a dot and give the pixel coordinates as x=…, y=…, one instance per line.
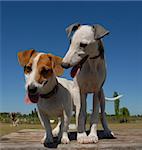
x=86, y=56
x=53, y=95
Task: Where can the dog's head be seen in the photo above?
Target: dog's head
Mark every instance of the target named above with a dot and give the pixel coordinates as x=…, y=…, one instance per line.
x=84, y=42
x=40, y=70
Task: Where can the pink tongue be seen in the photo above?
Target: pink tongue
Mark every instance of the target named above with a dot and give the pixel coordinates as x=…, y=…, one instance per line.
x=27, y=99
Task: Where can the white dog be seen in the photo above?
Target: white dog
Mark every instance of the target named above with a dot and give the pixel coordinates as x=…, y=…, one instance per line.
x=53, y=95
x=86, y=56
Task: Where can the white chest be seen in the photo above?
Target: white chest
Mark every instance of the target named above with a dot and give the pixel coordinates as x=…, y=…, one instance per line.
x=52, y=107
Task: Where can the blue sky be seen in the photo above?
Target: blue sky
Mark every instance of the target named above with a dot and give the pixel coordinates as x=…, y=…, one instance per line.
x=41, y=25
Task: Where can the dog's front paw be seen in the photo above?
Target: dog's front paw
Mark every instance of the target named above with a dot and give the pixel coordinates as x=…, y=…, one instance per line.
x=82, y=138
x=92, y=138
x=65, y=139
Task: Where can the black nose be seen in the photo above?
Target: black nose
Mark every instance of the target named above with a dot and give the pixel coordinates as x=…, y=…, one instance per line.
x=32, y=89
x=65, y=65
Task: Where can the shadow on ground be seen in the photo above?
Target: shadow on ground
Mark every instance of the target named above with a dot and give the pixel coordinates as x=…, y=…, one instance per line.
x=73, y=136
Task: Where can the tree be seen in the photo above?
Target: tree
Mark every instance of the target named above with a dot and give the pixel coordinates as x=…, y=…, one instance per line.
x=116, y=104
x=32, y=113
x=35, y=112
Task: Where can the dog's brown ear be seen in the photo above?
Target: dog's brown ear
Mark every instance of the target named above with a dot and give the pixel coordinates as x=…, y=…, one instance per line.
x=58, y=70
x=99, y=31
x=24, y=56
x=72, y=28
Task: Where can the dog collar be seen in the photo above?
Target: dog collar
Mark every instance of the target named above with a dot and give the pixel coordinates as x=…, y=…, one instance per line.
x=101, y=51
x=95, y=57
x=51, y=93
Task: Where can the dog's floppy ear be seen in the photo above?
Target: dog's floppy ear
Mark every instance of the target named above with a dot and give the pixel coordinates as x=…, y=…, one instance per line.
x=72, y=28
x=24, y=56
x=99, y=31
x=58, y=70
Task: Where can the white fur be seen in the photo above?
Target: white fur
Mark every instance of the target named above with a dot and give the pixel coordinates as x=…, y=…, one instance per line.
x=56, y=130
x=82, y=138
x=85, y=35
x=93, y=134
x=30, y=78
x=89, y=80
x=113, y=98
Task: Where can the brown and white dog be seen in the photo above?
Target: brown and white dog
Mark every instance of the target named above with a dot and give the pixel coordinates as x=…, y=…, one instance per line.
x=53, y=95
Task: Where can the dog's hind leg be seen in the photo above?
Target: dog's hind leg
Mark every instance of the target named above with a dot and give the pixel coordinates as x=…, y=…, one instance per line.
x=107, y=131
x=76, y=102
x=56, y=130
x=65, y=120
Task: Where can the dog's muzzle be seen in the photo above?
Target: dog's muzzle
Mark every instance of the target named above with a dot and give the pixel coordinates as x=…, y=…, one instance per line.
x=32, y=95
x=32, y=89
x=65, y=65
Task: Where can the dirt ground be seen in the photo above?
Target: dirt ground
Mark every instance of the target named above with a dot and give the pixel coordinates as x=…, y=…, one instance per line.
x=127, y=136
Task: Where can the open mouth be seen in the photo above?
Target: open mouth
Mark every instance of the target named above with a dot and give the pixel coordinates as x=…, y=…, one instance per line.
x=31, y=98
x=77, y=67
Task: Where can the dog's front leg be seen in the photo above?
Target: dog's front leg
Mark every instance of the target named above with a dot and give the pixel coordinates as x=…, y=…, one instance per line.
x=92, y=137
x=48, y=138
x=64, y=128
x=81, y=135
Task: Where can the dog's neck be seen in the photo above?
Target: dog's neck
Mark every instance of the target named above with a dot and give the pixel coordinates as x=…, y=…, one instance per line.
x=97, y=55
x=51, y=93
x=96, y=50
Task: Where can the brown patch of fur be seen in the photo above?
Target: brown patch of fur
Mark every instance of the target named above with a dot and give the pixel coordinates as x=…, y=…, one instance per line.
x=30, y=63
x=44, y=63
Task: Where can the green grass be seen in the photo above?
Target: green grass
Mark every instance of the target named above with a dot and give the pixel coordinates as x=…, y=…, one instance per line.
x=6, y=128
x=115, y=126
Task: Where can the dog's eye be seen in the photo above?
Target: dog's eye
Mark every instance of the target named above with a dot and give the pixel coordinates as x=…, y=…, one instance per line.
x=83, y=45
x=27, y=69
x=45, y=72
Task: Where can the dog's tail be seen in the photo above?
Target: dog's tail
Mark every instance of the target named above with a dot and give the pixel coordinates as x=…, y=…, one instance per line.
x=112, y=99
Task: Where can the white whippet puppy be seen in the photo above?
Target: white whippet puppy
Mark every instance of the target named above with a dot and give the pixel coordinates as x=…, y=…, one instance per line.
x=53, y=95
x=86, y=56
